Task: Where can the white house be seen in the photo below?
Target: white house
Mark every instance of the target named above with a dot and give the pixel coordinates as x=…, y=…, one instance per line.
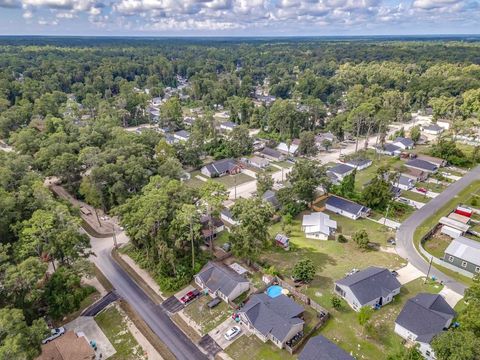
x=422, y=318
x=182, y=135
x=359, y=164
x=289, y=150
x=370, y=287
x=318, y=225
x=340, y=171
x=404, y=183
x=433, y=129
x=389, y=149
x=221, y=281
x=404, y=143
x=228, y=126
x=346, y=208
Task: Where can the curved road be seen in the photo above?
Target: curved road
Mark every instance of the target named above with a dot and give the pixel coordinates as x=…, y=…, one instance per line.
x=405, y=246
x=153, y=314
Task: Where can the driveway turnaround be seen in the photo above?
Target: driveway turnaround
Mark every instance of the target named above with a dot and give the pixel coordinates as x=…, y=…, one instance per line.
x=405, y=234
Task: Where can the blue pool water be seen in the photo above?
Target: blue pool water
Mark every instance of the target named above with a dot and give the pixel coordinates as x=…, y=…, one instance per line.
x=274, y=291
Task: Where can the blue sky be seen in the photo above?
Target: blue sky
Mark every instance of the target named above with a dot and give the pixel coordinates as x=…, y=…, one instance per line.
x=238, y=17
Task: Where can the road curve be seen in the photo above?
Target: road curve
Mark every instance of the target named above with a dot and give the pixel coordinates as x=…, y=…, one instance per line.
x=153, y=314
x=405, y=234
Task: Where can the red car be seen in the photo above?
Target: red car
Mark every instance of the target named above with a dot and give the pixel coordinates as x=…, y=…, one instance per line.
x=191, y=295
x=422, y=190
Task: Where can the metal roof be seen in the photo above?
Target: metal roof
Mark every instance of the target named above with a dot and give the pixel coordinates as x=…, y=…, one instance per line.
x=465, y=249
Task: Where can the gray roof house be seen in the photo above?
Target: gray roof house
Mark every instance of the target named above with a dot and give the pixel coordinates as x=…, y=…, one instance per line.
x=404, y=143
x=221, y=281
x=359, y=164
x=433, y=129
x=320, y=348
x=270, y=196
x=346, y=207
x=272, y=154
x=182, y=135
x=339, y=171
x=372, y=286
x=227, y=216
x=464, y=253
x=389, y=149
x=277, y=319
x=404, y=183
x=228, y=125
x=221, y=168
x=423, y=317
x=422, y=165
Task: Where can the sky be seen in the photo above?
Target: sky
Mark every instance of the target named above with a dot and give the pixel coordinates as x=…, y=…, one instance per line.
x=238, y=17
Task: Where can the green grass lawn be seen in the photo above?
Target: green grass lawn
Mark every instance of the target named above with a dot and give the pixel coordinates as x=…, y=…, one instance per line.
x=193, y=181
x=438, y=188
x=250, y=347
x=415, y=196
x=437, y=244
x=229, y=180
x=115, y=328
x=207, y=319
x=364, y=176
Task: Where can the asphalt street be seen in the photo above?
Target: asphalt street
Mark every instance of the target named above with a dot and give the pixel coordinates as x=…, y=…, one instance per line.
x=405, y=246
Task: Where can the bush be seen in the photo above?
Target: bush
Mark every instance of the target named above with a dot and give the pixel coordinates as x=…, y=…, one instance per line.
x=361, y=239
x=336, y=302
x=304, y=270
x=474, y=202
x=364, y=315
x=342, y=239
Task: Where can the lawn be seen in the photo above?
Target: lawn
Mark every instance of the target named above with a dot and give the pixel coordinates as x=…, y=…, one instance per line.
x=343, y=327
x=250, y=347
x=438, y=188
x=437, y=244
x=415, y=196
x=194, y=181
x=284, y=164
x=230, y=180
x=113, y=324
x=207, y=319
x=364, y=176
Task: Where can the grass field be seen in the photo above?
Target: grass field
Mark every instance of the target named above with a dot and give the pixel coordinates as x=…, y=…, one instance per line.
x=115, y=328
x=364, y=176
x=437, y=244
x=207, y=319
x=230, y=180
x=415, y=196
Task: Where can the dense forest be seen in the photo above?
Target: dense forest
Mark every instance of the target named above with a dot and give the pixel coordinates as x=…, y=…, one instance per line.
x=64, y=104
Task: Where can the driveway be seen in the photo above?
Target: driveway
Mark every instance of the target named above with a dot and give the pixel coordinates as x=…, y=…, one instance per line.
x=405, y=234
x=92, y=331
x=217, y=333
x=408, y=273
x=450, y=296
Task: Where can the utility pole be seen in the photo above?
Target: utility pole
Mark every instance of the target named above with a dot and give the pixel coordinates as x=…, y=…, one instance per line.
x=191, y=240
x=235, y=182
x=115, y=245
x=429, y=268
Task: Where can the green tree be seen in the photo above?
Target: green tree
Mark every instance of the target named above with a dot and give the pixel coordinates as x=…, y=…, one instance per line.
x=239, y=142
x=171, y=113
x=307, y=145
x=456, y=345
x=304, y=270
x=347, y=186
x=264, y=182
x=404, y=353
x=377, y=194
x=251, y=235
x=305, y=177
x=415, y=133
x=360, y=238
x=364, y=315
x=336, y=302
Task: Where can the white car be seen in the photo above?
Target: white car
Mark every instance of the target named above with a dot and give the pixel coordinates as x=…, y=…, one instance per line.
x=230, y=334
x=54, y=334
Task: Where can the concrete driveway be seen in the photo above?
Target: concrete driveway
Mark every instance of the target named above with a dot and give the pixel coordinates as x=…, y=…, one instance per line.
x=92, y=331
x=217, y=333
x=450, y=296
x=408, y=273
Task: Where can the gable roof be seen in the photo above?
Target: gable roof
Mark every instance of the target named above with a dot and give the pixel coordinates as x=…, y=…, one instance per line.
x=285, y=148
x=318, y=222
x=271, y=197
x=182, y=134
x=320, y=348
x=217, y=277
x=433, y=127
x=425, y=315
x=271, y=152
x=404, y=141
x=228, y=124
x=358, y=162
x=69, y=346
x=221, y=166
x=465, y=249
x=274, y=316
x=341, y=169
x=346, y=205
x=390, y=148
x=404, y=180
x=370, y=283
x=421, y=164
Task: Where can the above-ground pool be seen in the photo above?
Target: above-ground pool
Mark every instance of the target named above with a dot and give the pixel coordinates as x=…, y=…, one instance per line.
x=274, y=291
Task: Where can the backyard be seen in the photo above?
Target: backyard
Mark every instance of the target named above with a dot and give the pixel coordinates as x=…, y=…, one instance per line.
x=113, y=324
x=364, y=176
x=208, y=319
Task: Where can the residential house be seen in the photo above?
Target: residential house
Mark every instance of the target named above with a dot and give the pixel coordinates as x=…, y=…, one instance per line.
x=433, y=160
x=452, y=227
x=373, y=286
x=69, y=346
x=318, y=225
x=211, y=227
x=221, y=281
x=221, y=167
x=464, y=253
x=422, y=318
x=228, y=126
x=359, y=164
x=422, y=165
x=322, y=138
x=433, y=129
x=404, y=183
x=258, y=162
x=270, y=196
x=282, y=240
x=388, y=149
x=276, y=319
x=189, y=120
x=339, y=172
x=404, y=143
x=415, y=174
x=346, y=208
x=170, y=139
x=289, y=150
x=271, y=154
x=227, y=216
x=320, y=348
x=182, y=135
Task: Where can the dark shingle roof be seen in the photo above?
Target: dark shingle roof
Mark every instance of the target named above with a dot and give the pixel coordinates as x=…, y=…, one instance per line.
x=370, y=284
x=425, y=315
x=229, y=124
x=271, y=197
x=221, y=166
x=320, y=348
x=218, y=277
x=271, y=152
x=345, y=205
x=274, y=316
x=421, y=164
x=183, y=133
x=405, y=141
x=359, y=162
x=390, y=147
x=341, y=169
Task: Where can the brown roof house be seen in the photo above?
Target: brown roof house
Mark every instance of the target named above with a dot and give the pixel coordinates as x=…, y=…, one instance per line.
x=70, y=346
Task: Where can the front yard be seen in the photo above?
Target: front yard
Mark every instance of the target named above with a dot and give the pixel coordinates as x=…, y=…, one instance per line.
x=415, y=196
x=230, y=180
x=208, y=319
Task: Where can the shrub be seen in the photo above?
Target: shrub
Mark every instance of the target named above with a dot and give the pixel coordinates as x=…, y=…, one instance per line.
x=342, y=239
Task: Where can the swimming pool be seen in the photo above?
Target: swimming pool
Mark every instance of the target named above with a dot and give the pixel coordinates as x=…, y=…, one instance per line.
x=274, y=291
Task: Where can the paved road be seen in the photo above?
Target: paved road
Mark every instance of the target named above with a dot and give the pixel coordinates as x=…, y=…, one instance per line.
x=153, y=314
x=405, y=246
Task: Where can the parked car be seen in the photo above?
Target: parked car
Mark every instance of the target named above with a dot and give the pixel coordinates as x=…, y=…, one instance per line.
x=54, y=334
x=191, y=295
x=422, y=190
x=230, y=334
